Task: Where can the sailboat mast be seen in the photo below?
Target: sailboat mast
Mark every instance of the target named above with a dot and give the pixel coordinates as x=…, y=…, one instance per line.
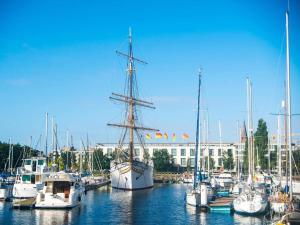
x=207, y=147
x=250, y=143
x=131, y=102
x=288, y=103
x=279, y=147
x=238, y=150
x=46, y=139
x=197, y=134
x=220, y=141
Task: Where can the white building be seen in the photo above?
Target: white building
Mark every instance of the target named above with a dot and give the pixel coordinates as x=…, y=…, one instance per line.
x=183, y=153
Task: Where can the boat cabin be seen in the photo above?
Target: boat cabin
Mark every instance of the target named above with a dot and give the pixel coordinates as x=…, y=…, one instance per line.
x=37, y=164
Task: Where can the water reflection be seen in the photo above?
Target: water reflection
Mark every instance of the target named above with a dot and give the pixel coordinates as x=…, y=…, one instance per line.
x=164, y=204
x=53, y=217
x=246, y=220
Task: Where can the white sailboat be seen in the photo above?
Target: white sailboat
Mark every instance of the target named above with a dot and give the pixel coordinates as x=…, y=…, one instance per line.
x=6, y=179
x=61, y=190
x=250, y=202
x=281, y=202
x=197, y=196
x=128, y=172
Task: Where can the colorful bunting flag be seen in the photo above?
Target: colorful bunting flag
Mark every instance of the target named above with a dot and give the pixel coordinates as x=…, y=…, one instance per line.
x=158, y=135
x=148, y=136
x=185, y=136
x=165, y=135
x=173, y=137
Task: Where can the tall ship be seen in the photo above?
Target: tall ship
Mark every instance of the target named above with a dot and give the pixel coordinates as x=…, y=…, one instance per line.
x=127, y=171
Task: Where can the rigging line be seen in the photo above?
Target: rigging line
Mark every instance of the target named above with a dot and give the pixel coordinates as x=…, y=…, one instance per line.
x=141, y=140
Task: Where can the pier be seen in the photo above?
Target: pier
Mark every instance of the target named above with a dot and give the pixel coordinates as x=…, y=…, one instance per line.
x=167, y=177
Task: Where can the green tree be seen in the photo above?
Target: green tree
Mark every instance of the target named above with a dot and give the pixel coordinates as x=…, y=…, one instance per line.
x=102, y=161
x=228, y=160
x=188, y=165
x=162, y=161
x=245, y=157
x=261, y=144
x=19, y=152
x=211, y=163
x=69, y=159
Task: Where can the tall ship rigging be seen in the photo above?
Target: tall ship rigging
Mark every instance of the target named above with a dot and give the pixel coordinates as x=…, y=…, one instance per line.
x=127, y=171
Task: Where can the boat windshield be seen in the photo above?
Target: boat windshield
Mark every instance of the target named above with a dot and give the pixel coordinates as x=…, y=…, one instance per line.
x=27, y=162
x=58, y=187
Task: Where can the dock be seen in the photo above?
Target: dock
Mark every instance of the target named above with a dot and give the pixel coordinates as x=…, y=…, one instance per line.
x=223, y=204
x=167, y=177
x=96, y=185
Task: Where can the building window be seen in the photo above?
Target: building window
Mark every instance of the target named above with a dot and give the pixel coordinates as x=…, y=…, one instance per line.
x=229, y=151
x=109, y=151
x=192, y=162
x=192, y=152
x=220, y=162
x=174, y=152
x=183, y=161
x=219, y=152
x=182, y=152
x=211, y=152
x=137, y=151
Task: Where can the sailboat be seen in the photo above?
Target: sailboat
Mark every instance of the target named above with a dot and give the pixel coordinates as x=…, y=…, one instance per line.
x=127, y=171
x=195, y=196
x=6, y=177
x=250, y=201
x=281, y=202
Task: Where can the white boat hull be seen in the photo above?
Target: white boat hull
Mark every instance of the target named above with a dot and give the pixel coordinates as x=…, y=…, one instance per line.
x=193, y=198
x=57, y=201
x=5, y=193
x=21, y=190
x=244, y=205
x=127, y=176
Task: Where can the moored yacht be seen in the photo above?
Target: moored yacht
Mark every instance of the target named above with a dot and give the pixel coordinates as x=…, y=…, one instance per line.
x=30, y=178
x=6, y=186
x=250, y=203
x=61, y=190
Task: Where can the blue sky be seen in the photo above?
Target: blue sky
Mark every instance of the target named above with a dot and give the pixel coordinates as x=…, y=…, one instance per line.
x=59, y=57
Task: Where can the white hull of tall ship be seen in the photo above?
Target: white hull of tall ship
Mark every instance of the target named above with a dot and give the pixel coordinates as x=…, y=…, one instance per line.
x=131, y=176
x=193, y=198
x=250, y=204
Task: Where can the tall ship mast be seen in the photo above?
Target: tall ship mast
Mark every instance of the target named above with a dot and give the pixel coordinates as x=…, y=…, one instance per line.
x=127, y=171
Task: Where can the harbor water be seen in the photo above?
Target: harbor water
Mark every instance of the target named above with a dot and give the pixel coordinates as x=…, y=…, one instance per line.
x=163, y=204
